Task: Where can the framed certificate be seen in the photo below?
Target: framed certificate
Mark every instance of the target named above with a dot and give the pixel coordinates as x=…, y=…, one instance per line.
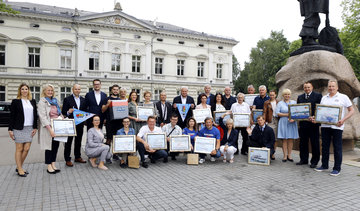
x=300, y=111
x=143, y=112
x=327, y=114
x=180, y=143
x=255, y=113
x=63, y=127
x=259, y=156
x=241, y=120
x=200, y=114
x=156, y=140
x=249, y=99
x=204, y=145
x=218, y=114
x=124, y=144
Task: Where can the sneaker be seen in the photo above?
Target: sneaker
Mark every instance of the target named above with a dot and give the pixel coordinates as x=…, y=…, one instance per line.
x=201, y=160
x=335, y=173
x=224, y=161
x=212, y=159
x=108, y=161
x=320, y=169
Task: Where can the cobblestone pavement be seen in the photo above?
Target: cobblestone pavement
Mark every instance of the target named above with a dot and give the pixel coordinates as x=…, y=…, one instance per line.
x=177, y=186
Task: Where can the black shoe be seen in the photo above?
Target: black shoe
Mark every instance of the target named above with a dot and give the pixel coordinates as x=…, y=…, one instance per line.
x=272, y=158
x=16, y=170
x=108, y=161
x=145, y=165
x=57, y=170
x=313, y=166
x=152, y=161
x=284, y=160
x=291, y=160
x=301, y=163
x=166, y=160
x=123, y=165
x=21, y=175
x=173, y=158
x=50, y=172
x=115, y=157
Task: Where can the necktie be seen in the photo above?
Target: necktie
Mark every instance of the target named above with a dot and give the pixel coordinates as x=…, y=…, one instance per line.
x=307, y=96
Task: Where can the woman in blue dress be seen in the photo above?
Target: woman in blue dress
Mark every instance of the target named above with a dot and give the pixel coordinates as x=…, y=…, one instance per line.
x=287, y=129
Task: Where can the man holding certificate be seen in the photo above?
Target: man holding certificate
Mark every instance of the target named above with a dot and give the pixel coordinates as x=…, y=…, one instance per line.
x=172, y=130
x=141, y=138
x=210, y=132
x=334, y=132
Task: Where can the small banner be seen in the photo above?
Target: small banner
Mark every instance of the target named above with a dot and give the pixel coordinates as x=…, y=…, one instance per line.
x=81, y=116
x=183, y=110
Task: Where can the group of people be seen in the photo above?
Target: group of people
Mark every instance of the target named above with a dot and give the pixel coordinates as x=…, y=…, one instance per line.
x=272, y=125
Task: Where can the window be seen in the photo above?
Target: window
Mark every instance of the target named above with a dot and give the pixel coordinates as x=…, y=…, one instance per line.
x=34, y=57
x=158, y=65
x=35, y=92
x=65, y=57
x=91, y=89
x=180, y=67
x=64, y=92
x=115, y=62
x=157, y=94
x=178, y=92
x=136, y=64
x=219, y=70
x=201, y=69
x=2, y=93
x=2, y=54
x=94, y=61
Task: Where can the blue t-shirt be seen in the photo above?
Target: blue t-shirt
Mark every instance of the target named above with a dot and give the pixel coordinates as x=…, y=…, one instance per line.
x=191, y=133
x=213, y=133
x=259, y=102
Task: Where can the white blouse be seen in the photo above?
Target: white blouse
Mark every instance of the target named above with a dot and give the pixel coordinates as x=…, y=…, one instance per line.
x=28, y=112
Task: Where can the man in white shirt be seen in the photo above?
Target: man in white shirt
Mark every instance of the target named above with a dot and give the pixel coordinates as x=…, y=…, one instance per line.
x=172, y=130
x=141, y=137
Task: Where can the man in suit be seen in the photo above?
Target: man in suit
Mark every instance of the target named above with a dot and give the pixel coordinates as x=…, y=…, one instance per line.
x=71, y=102
x=309, y=130
x=183, y=99
x=94, y=100
x=210, y=97
x=165, y=110
x=229, y=100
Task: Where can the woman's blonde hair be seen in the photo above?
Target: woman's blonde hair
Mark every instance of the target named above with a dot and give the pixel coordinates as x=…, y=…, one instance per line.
x=286, y=91
x=44, y=89
x=29, y=96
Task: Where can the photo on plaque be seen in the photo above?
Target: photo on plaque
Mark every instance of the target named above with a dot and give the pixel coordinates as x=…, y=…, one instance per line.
x=204, y=145
x=218, y=114
x=156, y=140
x=124, y=144
x=249, y=98
x=200, y=114
x=327, y=114
x=241, y=120
x=180, y=143
x=255, y=113
x=143, y=112
x=259, y=156
x=300, y=111
x=63, y=127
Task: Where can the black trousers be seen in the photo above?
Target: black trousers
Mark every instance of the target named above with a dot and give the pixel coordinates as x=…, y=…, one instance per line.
x=245, y=143
x=112, y=127
x=141, y=149
x=310, y=132
x=50, y=155
x=77, y=143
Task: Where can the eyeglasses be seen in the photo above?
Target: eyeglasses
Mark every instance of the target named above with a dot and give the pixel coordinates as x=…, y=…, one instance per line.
x=126, y=121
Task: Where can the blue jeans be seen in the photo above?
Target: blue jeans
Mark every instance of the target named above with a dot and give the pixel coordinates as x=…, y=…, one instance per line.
x=217, y=155
x=336, y=135
x=158, y=154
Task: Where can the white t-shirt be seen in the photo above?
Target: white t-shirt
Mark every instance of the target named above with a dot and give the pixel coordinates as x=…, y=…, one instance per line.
x=240, y=108
x=28, y=112
x=337, y=100
x=273, y=105
x=145, y=129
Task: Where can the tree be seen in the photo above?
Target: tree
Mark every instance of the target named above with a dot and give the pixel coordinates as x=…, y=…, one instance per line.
x=265, y=61
x=6, y=8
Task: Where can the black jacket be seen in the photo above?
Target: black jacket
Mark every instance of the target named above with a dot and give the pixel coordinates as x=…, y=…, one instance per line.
x=233, y=138
x=69, y=102
x=189, y=100
x=264, y=138
x=314, y=98
x=17, y=115
x=169, y=110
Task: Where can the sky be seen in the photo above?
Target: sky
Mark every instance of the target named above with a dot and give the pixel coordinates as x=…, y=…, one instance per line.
x=247, y=21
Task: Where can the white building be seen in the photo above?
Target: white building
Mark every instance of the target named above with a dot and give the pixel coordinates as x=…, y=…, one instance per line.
x=47, y=44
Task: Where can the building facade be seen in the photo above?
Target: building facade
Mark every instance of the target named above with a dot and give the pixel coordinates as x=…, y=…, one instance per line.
x=46, y=44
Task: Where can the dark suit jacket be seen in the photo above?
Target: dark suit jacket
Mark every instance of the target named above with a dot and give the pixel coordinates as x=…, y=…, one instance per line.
x=169, y=110
x=92, y=106
x=264, y=138
x=177, y=100
x=233, y=138
x=199, y=99
x=17, y=115
x=314, y=98
x=69, y=102
x=229, y=101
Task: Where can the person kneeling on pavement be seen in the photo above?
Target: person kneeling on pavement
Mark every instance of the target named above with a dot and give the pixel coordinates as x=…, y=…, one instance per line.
x=262, y=136
x=228, y=143
x=210, y=132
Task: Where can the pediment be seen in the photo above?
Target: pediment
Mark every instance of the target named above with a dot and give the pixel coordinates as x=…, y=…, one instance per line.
x=65, y=43
x=116, y=18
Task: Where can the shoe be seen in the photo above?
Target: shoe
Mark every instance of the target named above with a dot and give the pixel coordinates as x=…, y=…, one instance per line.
x=291, y=160
x=320, y=169
x=173, y=158
x=166, y=160
x=152, y=161
x=284, y=160
x=300, y=163
x=335, y=173
x=26, y=172
x=224, y=161
x=57, y=170
x=22, y=175
x=116, y=158
x=231, y=161
x=69, y=164
x=103, y=168
x=93, y=163
x=123, y=165
x=272, y=158
x=80, y=160
x=50, y=172
x=313, y=166
x=108, y=161
x=212, y=159
x=202, y=161
x=145, y=165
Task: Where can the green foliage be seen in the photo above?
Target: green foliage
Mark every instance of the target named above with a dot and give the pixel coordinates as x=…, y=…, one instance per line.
x=7, y=8
x=350, y=34
x=265, y=61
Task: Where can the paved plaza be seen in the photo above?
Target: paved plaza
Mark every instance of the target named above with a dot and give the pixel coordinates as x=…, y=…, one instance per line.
x=177, y=186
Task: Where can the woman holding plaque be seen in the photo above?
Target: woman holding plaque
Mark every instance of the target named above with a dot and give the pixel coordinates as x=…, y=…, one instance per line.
x=270, y=116
x=133, y=103
x=22, y=125
x=95, y=146
x=228, y=142
x=191, y=130
x=287, y=129
x=218, y=104
x=147, y=102
x=203, y=104
x=48, y=108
